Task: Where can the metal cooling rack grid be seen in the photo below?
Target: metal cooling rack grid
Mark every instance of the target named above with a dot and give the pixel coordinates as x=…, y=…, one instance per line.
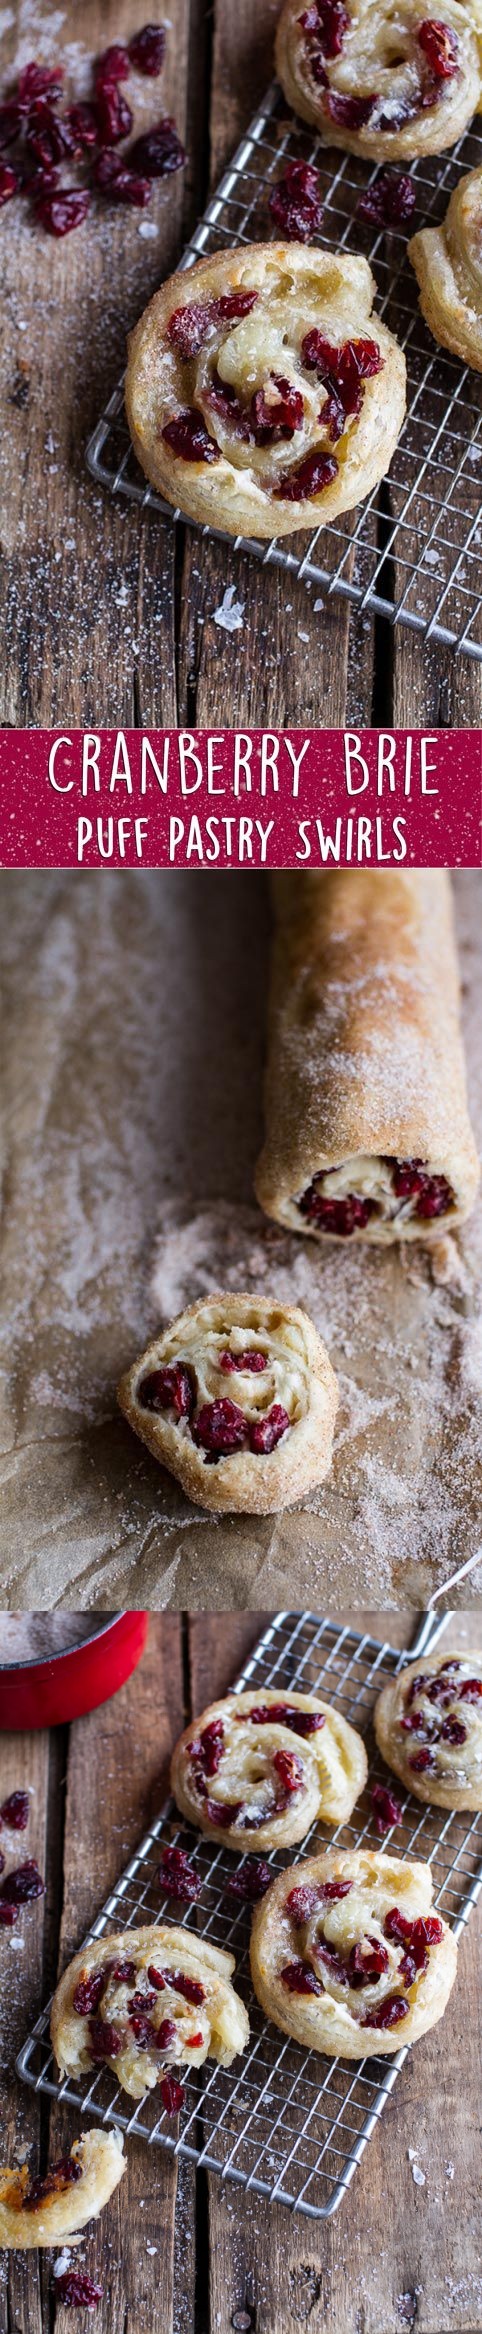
x=276, y=2122
x=412, y=551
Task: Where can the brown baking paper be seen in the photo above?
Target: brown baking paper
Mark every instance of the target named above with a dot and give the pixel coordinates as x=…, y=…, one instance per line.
x=131, y=1118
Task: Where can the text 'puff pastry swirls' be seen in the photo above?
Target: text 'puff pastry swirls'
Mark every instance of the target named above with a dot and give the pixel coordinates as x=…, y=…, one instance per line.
x=263, y=393
x=145, y=2002
x=428, y=1724
x=448, y=267
x=238, y=1398
x=381, y=78
x=347, y=1956
x=259, y=1768
x=52, y=2209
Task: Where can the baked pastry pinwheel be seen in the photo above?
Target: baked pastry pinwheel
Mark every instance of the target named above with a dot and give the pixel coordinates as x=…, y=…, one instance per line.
x=347, y=1955
x=146, y=2003
x=380, y=77
x=257, y=1769
x=428, y=1724
x=48, y=2210
x=367, y=1129
x=238, y=1398
x=262, y=393
x=448, y=267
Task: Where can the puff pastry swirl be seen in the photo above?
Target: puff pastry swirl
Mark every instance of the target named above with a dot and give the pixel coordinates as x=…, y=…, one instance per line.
x=428, y=1724
x=382, y=78
x=262, y=393
x=367, y=1130
x=238, y=1398
x=257, y=1769
x=448, y=267
x=347, y=1956
x=47, y=2211
x=145, y=2001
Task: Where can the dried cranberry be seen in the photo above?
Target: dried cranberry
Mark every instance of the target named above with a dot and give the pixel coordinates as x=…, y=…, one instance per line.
x=310, y=478
x=59, y=2177
x=470, y=1690
x=440, y=46
x=267, y=1432
x=112, y=66
x=104, y=2039
x=221, y=1426
x=326, y=25
x=23, y=1884
x=172, y=2094
x=143, y=2029
x=440, y=1690
x=397, y=1926
x=194, y=2041
x=39, y=81
x=413, y=1725
x=340, y=1216
x=15, y=1811
x=331, y=1890
x=453, y=1731
x=177, y=1876
x=12, y=117
x=422, y=1761
x=210, y=1747
x=113, y=114
x=386, y=1808
x=350, y=113
x=295, y=203
x=302, y=1722
x=387, y=2013
x=419, y=1685
x=63, y=211
x=2, y=1862
x=188, y=1986
x=333, y=1962
x=82, y=121
x=189, y=326
x=121, y=1973
x=224, y=1812
x=251, y=1360
x=250, y=1881
x=77, y=2291
x=142, y=2002
x=174, y=1387
x=188, y=437
x=224, y=401
x=389, y=201
x=87, y=1993
x=276, y=411
x=8, y=1915
x=343, y=369
x=367, y=1962
x=289, y=1768
x=432, y=1193
x=303, y=1902
x=165, y=2034
x=158, y=152
x=8, y=183
x=300, y=1979
x=49, y=139
x=34, y=182
x=147, y=49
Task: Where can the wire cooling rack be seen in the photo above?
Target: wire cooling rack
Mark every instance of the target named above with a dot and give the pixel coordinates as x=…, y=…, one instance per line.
x=411, y=552
x=282, y=2121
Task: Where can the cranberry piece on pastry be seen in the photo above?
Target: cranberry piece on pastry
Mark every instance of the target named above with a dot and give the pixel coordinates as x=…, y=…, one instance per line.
x=265, y=1443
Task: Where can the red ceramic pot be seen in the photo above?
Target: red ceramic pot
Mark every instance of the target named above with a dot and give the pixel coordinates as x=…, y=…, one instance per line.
x=50, y=1692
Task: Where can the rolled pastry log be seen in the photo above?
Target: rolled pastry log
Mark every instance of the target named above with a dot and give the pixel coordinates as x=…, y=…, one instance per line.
x=367, y=1128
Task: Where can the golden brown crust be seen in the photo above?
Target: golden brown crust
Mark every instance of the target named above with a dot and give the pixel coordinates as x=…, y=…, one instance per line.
x=448, y=266
x=365, y=1059
x=332, y=1763
x=456, y=1778
x=221, y=2018
x=296, y=288
x=58, y=2217
x=329, y=2021
x=299, y=1377
x=380, y=55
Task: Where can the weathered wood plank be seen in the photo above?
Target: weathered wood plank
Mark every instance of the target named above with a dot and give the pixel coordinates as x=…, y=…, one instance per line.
x=27, y=1761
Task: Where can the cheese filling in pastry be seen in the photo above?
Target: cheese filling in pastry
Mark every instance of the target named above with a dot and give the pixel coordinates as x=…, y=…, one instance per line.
x=257, y=1770
x=238, y=1399
x=428, y=1724
x=49, y=2209
x=380, y=77
x=262, y=393
x=347, y=1955
x=146, y=2003
x=367, y=1130
x=448, y=267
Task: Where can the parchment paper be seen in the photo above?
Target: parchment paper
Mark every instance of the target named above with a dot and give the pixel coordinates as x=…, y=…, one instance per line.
x=131, y=1111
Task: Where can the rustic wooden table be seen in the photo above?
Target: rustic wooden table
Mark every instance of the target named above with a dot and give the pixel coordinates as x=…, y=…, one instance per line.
x=175, y=2254
x=108, y=619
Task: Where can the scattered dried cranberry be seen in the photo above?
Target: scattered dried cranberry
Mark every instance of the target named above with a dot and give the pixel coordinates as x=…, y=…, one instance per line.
x=104, y=2039
x=188, y=1986
x=15, y=1811
x=177, y=1876
x=289, y=1768
x=112, y=66
x=39, y=81
x=386, y=1808
x=389, y=201
x=8, y=183
x=165, y=2035
x=147, y=50
x=220, y=1426
x=170, y=1388
x=125, y=187
x=158, y=152
x=62, y=211
x=295, y=203
x=49, y=139
x=59, y=2177
x=251, y=1360
x=12, y=117
x=470, y=1690
x=23, y=1884
x=453, y=1731
x=77, y=2291
x=350, y=113
x=387, y=2013
x=440, y=46
x=114, y=115
x=172, y=2094
x=302, y=1722
x=340, y=1216
x=310, y=478
x=299, y=1979
x=250, y=1881
x=421, y=1761
x=87, y=1993
x=82, y=121
x=2, y=1862
x=8, y=1915
x=188, y=437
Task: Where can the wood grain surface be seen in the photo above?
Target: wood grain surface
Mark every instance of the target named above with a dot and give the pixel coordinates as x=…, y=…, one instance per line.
x=191, y=2258
x=108, y=620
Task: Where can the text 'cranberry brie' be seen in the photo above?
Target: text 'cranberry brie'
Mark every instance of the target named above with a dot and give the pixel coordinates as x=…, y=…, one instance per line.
x=257, y=1769
x=238, y=1399
x=50, y=2208
x=381, y=77
x=428, y=1724
x=263, y=394
x=148, y=2003
x=347, y=1955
